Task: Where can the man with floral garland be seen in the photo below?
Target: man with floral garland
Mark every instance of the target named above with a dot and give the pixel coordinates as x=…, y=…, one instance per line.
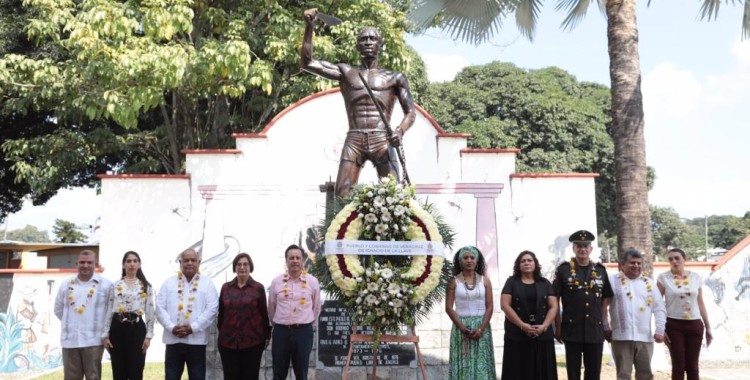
x=186, y=305
x=584, y=290
x=293, y=308
x=636, y=300
x=81, y=306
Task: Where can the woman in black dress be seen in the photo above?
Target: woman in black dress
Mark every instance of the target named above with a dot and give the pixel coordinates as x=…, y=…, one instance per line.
x=530, y=308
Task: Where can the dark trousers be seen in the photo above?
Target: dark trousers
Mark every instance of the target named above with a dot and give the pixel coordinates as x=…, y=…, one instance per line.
x=293, y=343
x=592, y=360
x=179, y=354
x=126, y=353
x=686, y=337
x=241, y=364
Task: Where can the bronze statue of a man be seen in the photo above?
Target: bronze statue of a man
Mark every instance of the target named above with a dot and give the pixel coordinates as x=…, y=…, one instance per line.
x=367, y=138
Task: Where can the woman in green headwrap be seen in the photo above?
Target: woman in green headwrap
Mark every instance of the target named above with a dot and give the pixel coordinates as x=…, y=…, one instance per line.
x=468, y=302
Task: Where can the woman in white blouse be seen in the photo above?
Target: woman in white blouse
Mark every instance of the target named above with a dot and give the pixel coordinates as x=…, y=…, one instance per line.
x=128, y=332
x=685, y=310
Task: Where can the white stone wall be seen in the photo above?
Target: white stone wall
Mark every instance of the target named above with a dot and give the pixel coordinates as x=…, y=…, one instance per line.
x=265, y=195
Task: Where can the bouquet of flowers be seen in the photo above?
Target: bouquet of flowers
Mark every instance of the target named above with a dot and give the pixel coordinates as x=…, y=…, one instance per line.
x=384, y=210
x=385, y=292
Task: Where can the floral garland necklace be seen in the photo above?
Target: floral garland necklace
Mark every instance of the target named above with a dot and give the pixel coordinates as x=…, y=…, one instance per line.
x=182, y=305
x=124, y=301
x=586, y=284
x=649, y=287
x=680, y=281
x=287, y=292
x=89, y=295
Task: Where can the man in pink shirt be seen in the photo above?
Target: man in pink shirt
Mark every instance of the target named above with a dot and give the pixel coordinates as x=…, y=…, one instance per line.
x=293, y=308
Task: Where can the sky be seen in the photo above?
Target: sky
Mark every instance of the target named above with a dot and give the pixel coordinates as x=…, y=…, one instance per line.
x=696, y=91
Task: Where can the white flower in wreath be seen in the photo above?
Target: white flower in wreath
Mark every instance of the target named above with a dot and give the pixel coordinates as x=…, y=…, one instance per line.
x=371, y=218
x=397, y=303
x=387, y=273
x=380, y=312
x=373, y=286
x=399, y=210
x=386, y=217
x=394, y=288
x=380, y=228
x=371, y=299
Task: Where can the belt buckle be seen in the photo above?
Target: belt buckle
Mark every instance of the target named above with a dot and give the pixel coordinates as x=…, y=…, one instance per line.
x=532, y=318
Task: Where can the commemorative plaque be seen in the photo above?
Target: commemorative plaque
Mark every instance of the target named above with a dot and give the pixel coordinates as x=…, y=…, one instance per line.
x=334, y=328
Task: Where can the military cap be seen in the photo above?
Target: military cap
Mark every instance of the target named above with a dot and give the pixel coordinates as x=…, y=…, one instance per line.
x=581, y=236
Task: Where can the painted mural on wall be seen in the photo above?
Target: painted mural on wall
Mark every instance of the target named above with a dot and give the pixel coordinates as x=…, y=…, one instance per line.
x=29, y=331
x=727, y=298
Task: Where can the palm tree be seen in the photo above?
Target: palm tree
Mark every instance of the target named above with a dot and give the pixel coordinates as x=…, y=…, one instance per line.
x=477, y=20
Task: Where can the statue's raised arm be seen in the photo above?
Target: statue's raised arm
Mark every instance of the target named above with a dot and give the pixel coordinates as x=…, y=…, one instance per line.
x=369, y=137
x=322, y=68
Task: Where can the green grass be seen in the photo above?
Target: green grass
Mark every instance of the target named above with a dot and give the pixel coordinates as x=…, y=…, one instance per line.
x=153, y=371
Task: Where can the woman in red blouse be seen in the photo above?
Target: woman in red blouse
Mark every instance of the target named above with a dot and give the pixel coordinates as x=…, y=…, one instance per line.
x=244, y=329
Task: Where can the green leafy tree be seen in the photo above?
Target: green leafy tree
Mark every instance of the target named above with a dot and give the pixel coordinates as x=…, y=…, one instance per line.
x=14, y=126
x=476, y=21
x=724, y=231
x=669, y=231
x=67, y=232
x=734, y=230
x=29, y=234
x=133, y=83
x=560, y=124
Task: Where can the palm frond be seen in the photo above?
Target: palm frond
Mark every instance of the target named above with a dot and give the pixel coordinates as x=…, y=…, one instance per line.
x=527, y=12
x=746, y=21
x=472, y=21
x=710, y=9
x=576, y=12
x=423, y=12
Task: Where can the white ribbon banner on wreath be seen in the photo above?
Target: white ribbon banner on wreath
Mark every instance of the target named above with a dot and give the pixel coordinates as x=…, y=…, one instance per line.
x=389, y=248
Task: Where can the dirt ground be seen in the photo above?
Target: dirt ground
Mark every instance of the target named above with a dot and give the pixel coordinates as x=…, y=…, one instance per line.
x=608, y=371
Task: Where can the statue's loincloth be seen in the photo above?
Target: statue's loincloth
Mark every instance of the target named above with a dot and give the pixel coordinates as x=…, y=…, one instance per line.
x=363, y=145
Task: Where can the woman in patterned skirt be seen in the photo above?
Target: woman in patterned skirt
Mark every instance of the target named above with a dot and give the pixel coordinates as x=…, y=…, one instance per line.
x=468, y=303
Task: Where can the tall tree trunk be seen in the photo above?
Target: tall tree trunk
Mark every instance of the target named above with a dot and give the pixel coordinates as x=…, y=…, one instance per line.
x=633, y=221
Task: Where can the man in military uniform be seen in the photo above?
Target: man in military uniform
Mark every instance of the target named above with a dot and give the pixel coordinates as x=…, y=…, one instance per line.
x=584, y=290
